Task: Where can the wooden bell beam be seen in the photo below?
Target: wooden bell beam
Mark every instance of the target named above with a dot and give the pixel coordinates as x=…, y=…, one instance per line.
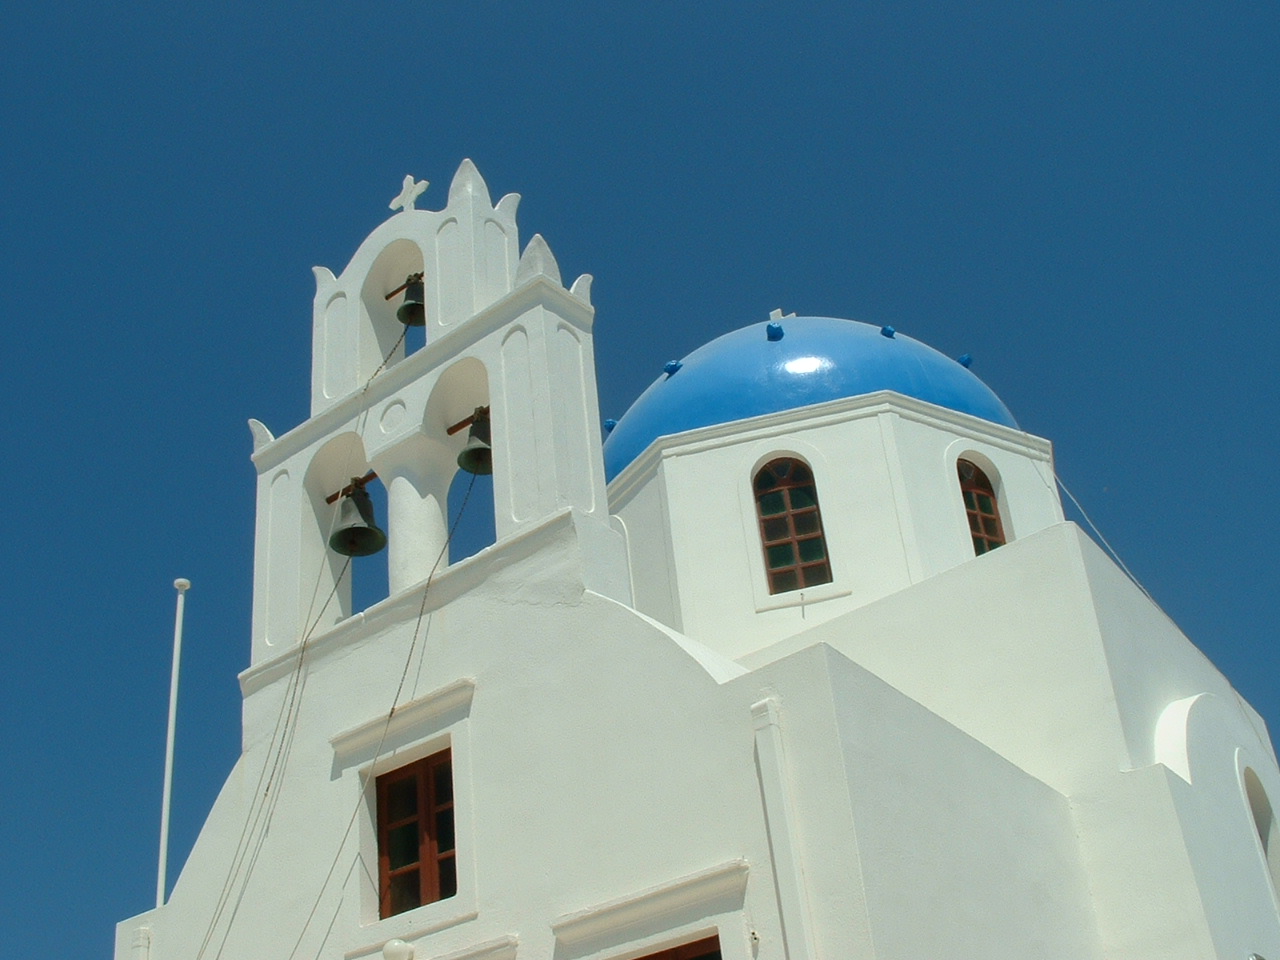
x=409, y=281
x=356, y=482
x=467, y=421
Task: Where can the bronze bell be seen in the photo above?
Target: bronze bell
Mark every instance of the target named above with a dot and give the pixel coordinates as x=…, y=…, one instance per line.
x=477, y=456
x=413, y=312
x=357, y=533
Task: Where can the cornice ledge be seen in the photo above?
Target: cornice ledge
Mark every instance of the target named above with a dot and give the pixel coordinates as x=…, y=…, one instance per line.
x=404, y=607
x=540, y=289
x=499, y=949
x=729, y=878
x=450, y=698
x=438, y=351
x=502, y=948
x=643, y=467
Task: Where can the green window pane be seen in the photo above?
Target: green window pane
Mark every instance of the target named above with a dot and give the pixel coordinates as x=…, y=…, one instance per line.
x=979, y=546
x=975, y=524
x=806, y=523
x=801, y=474
x=765, y=480
x=784, y=580
x=969, y=502
x=405, y=892
x=776, y=529
x=781, y=555
x=811, y=550
x=990, y=527
x=402, y=845
x=986, y=504
x=802, y=497
x=772, y=504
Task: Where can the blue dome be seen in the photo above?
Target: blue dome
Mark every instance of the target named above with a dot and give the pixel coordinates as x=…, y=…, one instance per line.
x=754, y=371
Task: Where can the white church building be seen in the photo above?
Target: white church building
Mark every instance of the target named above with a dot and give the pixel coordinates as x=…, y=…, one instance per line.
x=800, y=662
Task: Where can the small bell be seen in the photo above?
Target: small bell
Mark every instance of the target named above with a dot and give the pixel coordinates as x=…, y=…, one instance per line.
x=357, y=533
x=413, y=312
x=477, y=456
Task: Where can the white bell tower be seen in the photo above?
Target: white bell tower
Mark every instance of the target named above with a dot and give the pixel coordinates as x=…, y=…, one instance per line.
x=502, y=332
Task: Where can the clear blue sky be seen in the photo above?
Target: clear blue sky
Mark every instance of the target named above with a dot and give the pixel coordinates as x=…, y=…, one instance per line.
x=1081, y=195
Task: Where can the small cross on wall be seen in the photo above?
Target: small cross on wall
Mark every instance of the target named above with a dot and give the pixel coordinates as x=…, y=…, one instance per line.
x=410, y=192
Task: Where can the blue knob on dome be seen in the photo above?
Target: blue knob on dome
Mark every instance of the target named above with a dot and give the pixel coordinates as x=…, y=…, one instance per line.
x=671, y=366
x=773, y=331
x=887, y=331
x=964, y=360
x=609, y=425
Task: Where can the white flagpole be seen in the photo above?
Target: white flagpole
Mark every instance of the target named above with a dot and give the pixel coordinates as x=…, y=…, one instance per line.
x=181, y=586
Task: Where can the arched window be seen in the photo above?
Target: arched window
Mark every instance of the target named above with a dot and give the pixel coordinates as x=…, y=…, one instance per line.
x=980, y=504
x=795, y=551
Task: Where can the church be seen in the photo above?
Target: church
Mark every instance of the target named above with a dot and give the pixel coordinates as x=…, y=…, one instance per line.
x=797, y=660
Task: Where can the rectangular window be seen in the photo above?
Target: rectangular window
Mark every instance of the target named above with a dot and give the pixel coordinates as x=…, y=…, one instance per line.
x=417, y=862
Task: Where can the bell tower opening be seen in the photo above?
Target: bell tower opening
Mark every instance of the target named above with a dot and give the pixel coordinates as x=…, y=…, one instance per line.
x=470, y=514
x=412, y=310
x=346, y=539
x=460, y=417
x=368, y=574
x=388, y=311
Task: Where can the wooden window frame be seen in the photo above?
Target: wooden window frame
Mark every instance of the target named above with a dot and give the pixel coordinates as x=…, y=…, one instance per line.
x=698, y=950
x=981, y=507
x=798, y=526
x=432, y=813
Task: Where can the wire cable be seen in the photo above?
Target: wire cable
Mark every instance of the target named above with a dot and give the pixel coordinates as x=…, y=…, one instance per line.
x=386, y=725
x=1103, y=540
x=280, y=743
x=261, y=791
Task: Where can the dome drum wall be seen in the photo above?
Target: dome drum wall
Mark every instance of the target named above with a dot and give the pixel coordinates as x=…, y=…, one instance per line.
x=892, y=511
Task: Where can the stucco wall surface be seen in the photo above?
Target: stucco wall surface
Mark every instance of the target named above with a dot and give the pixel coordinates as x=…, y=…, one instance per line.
x=1004, y=647
x=594, y=759
x=965, y=855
